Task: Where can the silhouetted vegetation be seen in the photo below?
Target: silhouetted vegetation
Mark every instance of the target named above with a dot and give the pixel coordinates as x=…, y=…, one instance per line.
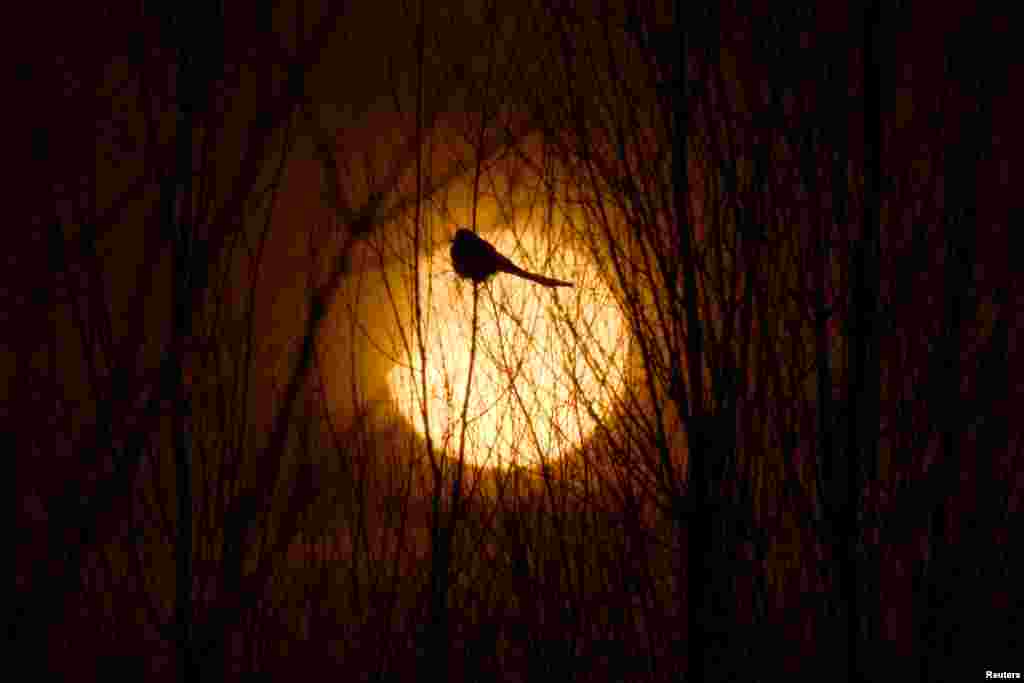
x=804, y=214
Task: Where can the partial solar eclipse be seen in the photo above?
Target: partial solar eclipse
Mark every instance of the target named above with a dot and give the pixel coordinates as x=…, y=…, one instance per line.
x=550, y=363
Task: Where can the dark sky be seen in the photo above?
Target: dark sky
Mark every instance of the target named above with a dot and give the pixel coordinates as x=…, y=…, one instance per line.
x=92, y=271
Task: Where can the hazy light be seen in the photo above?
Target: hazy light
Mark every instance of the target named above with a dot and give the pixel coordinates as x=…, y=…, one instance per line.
x=548, y=360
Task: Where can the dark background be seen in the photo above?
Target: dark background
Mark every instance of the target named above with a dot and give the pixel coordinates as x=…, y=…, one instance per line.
x=847, y=499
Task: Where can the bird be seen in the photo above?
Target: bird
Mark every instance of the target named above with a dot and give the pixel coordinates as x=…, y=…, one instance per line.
x=476, y=259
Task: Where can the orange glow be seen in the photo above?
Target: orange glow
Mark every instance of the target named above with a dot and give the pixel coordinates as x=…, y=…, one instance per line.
x=549, y=363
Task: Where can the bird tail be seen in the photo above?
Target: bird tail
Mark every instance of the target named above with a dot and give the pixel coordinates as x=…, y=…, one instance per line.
x=539, y=279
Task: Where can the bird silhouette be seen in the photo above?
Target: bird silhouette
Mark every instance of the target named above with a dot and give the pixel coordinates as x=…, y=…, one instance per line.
x=476, y=259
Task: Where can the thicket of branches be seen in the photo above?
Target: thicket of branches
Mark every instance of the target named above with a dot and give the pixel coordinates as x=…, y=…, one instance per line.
x=803, y=216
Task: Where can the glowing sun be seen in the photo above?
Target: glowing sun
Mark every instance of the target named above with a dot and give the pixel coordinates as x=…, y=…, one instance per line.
x=549, y=363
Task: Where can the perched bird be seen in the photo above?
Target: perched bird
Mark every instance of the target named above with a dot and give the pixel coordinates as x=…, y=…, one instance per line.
x=476, y=259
